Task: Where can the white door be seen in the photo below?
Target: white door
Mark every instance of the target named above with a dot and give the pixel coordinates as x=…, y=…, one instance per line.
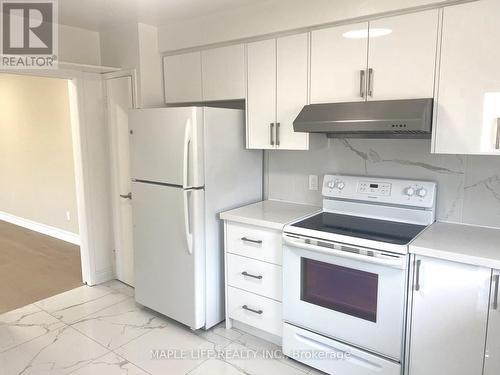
x=119, y=101
x=261, y=94
x=167, y=145
x=449, y=317
x=468, y=102
x=182, y=78
x=402, y=56
x=492, y=358
x=338, y=63
x=292, y=90
x=169, y=251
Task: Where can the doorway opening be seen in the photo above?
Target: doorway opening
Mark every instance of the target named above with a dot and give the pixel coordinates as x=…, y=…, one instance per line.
x=39, y=220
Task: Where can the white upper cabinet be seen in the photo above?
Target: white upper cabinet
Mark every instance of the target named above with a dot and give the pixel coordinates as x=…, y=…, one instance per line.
x=492, y=357
x=182, y=74
x=292, y=89
x=402, y=56
x=277, y=73
x=261, y=94
x=389, y=58
x=223, y=73
x=468, y=100
x=339, y=63
x=449, y=318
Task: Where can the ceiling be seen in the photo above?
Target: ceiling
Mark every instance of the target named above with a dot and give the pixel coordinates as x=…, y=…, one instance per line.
x=101, y=15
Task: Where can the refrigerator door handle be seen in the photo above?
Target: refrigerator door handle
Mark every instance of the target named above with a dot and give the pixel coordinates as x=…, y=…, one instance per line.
x=187, y=142
x=187, y=225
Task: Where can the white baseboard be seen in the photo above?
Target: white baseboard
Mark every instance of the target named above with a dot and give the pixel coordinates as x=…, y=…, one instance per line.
x=41, y=228
x=103, y=276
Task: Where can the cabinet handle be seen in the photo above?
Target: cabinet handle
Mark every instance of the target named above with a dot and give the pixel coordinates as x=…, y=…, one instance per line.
x=362, y=83
x=496, y=280
x=252, y=241
x=127, y=196
x=271, y=135
x=497, y=144
x=245, y=307
x=370, y=82
x=245, y=273
x=277, y=134
x=417, y=276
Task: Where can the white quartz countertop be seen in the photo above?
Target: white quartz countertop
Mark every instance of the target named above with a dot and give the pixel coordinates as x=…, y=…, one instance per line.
x=270, y=213
x=460, y=243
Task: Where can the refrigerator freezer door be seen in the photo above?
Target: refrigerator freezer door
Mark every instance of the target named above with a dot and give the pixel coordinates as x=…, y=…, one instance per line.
x=166, y=145
x=169, y=251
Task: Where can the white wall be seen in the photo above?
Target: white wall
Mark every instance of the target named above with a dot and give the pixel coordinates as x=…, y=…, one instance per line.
x=271, y=17
x=79, y=45
x=36, y=151
x=136, y=47
x=468, y=186
x=150, y=67
x=120, y=47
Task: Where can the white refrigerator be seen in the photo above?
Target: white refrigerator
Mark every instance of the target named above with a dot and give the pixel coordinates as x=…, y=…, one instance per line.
x=188, y=164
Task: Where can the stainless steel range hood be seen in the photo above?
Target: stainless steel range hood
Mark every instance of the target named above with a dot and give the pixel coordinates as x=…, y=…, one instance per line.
x=372, y=119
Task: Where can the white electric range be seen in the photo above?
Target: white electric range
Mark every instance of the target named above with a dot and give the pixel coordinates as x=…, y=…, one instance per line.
x=346, y=274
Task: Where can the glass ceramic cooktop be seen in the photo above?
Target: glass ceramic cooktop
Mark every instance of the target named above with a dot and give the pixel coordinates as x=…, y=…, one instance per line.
x=361, y=227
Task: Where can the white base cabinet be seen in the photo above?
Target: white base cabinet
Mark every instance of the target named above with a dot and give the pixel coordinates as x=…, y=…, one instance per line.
x=254, y=277
x=449, y=317
x=492, y=355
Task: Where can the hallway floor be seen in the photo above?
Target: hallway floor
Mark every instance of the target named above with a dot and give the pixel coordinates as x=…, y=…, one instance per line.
x=100, y=330
x=34, y=266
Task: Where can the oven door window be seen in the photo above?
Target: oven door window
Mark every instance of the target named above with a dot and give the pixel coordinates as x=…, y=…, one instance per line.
x=341, y=289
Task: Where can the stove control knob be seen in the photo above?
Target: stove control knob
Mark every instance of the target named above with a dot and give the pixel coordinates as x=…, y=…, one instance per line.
x=421, y=192
x=409, y=191
x=340, y=185
x=331, y=184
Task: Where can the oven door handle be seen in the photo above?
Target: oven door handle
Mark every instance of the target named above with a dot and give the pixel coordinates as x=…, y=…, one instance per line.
x=398, y=261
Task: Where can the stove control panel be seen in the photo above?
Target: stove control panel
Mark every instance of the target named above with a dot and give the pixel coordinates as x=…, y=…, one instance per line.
x=376, y=188
x=382, y=190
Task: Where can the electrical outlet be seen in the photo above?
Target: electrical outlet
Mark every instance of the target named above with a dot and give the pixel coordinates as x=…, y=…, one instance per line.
x=313, y=182
x=68, y=216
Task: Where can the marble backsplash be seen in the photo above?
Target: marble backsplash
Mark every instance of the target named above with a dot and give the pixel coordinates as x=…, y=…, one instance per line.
x=468, y=186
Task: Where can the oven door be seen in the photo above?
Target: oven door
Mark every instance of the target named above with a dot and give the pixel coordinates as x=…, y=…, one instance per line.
x=355, y=295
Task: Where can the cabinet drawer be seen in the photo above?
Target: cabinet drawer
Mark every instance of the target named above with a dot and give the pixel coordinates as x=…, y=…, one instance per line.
x=254, y=242
x=254, y=276
x=266, y=314
x=330, y=355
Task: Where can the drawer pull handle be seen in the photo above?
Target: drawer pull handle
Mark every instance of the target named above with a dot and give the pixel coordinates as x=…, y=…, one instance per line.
x=252, y=241
x=245, y=273
x=245, y=307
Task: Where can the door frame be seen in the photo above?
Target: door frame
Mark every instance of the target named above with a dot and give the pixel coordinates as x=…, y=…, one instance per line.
x=115, y=202
x=76, y=94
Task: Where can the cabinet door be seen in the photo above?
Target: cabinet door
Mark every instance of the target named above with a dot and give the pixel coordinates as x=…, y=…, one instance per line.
x=492, y=361
x=468, y=102
x=182, y=75
x=261, y=95
x=338, y=61
x=223, y=73
x=449, y=317
x=402, y=56
x=292, y=89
